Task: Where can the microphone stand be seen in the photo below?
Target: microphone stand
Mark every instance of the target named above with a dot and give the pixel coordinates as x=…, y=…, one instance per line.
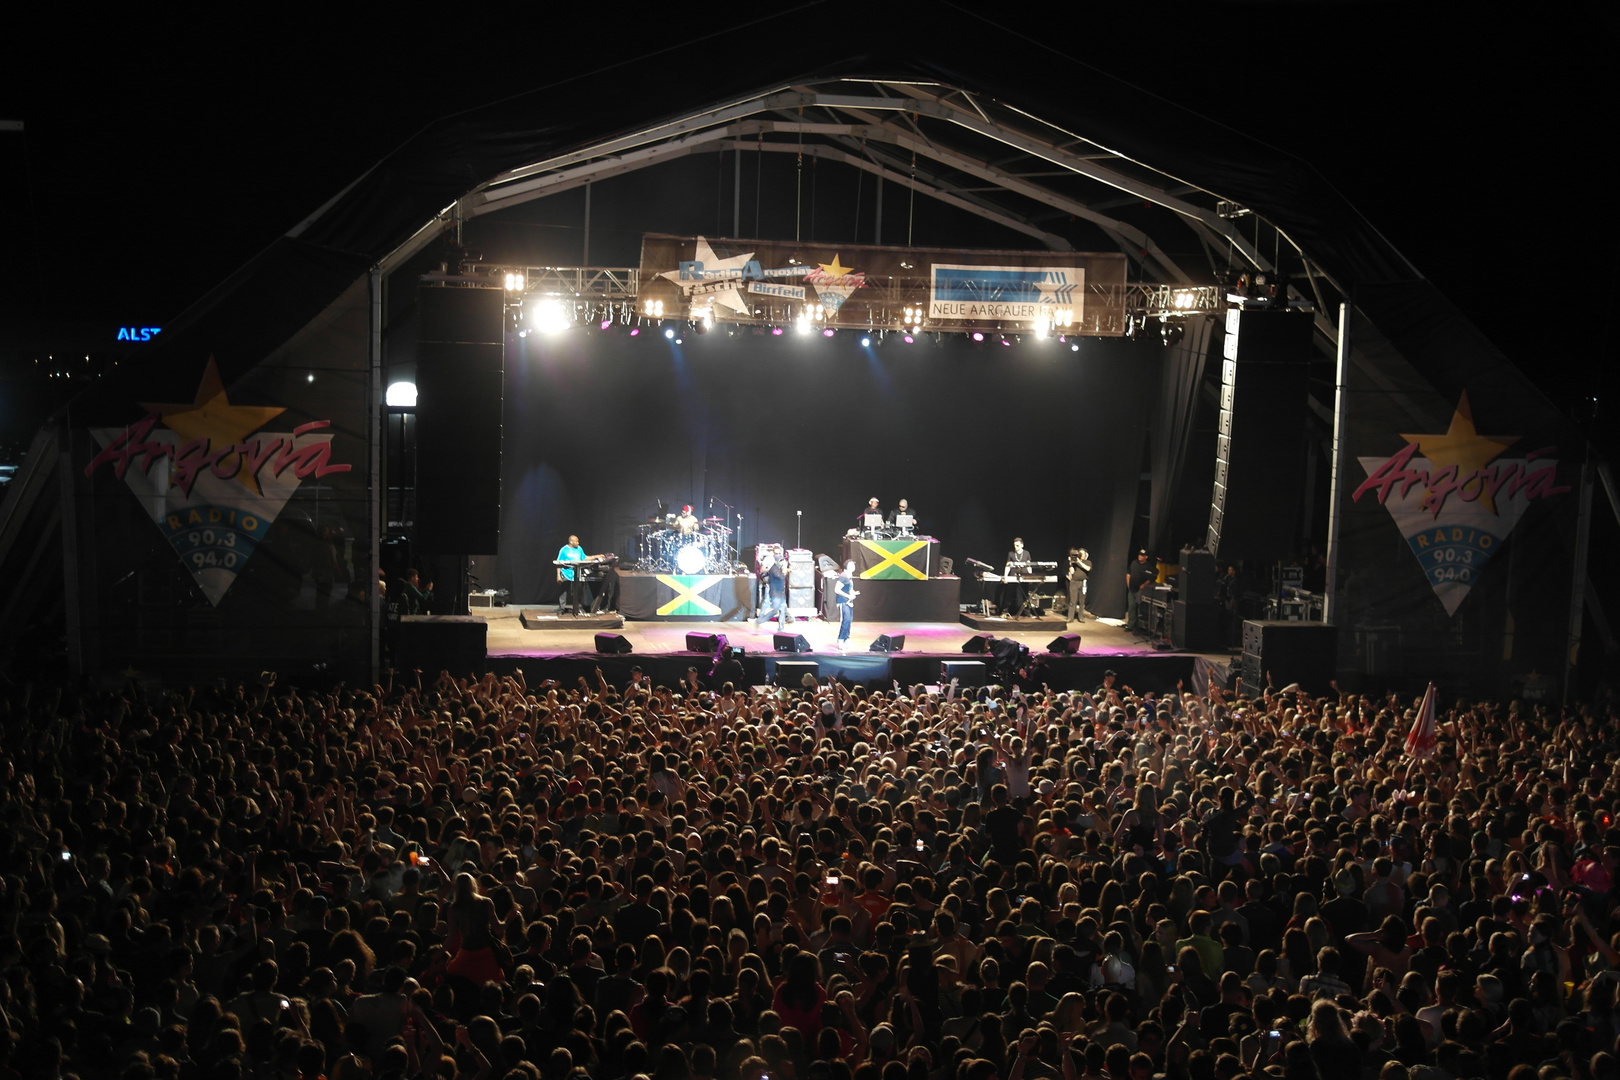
x=798, y=541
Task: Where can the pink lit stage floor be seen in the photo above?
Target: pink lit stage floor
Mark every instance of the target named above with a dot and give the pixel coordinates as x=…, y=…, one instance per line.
x=660, y=647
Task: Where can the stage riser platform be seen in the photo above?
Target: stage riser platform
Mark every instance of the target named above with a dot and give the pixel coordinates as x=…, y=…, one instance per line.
x=995, y=624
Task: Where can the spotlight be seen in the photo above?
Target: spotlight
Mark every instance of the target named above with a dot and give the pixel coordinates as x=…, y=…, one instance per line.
x=977, y=336
x=401, y=395
x=803, y=325
x=1170, y=332
x=907, y=339
x=514, y=282
x=1074, y=348
x=827, y=332
x=523, y=333
x=776, y=331
x=669, y=331
x=635, y=331
x=551, y=317
x=1184, y=299
x=604, y=324
x=653, y=309
x=866, y=342
x=1005, y=342
x=1043, y=325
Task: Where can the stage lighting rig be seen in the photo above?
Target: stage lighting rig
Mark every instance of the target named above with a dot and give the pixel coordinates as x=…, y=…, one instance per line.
x=549, y=314
x=1171, y=330
x=515, y=283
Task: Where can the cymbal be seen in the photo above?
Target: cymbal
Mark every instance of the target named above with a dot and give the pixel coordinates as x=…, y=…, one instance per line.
x=714, y=520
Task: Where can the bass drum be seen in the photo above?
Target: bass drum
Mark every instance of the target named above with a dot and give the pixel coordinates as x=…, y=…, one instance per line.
x=689, y=554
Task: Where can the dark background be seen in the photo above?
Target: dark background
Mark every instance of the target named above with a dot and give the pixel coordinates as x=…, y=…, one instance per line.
x=163, y=150
x=977, y=438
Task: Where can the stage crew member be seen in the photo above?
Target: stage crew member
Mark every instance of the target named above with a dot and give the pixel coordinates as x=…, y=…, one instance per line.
x=1141, y=574
x=1079, y=570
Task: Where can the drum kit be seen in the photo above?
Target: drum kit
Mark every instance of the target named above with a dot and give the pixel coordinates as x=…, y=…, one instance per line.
x=710, y=548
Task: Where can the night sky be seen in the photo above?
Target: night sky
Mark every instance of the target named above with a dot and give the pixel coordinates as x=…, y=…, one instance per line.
x=162, y=152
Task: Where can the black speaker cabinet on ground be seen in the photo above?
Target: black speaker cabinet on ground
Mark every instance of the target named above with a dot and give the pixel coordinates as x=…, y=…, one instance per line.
x=705, y=643
x=966, y=672
x=887, y=644
x=791, y=673
x=790, y=643
x=1306, y=653
x=978, y=643
x=1196, y=627
x=1197, y=584
x=453, y=643
x=1066, y=644
x=612, y=643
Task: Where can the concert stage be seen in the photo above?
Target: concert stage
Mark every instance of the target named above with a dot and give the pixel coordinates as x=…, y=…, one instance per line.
x=660, y=650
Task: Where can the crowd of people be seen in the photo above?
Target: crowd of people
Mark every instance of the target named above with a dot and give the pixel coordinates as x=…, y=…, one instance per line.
x=483, y=878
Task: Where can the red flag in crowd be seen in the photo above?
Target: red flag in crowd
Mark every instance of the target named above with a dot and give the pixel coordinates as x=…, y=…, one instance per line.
x=1421, y=739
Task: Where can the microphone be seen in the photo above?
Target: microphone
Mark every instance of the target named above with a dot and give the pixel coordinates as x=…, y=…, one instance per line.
x=711, y=502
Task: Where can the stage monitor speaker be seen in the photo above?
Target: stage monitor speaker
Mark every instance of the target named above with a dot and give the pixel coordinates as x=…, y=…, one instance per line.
x=791, y=673
x=705, y=643
x=1195, y=627
x=1306, y=653
x=888, y=644
x=459, y=379
x=1067, y=644
x=1197, y=584
x=612, y=643
x=794, y=643
x=966, y=672
x=978, y=643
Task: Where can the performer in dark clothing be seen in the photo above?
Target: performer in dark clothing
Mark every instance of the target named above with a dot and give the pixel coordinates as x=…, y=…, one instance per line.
x=846, y=594
x=872, y=507
x=775, y=593
x=1010, y=597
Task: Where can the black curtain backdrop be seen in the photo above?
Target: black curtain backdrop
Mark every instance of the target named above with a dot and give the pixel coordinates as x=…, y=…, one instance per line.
x=987, y=442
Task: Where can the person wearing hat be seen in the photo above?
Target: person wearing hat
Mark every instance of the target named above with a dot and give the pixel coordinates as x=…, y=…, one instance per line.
x=686, y=522
x=1139, y=576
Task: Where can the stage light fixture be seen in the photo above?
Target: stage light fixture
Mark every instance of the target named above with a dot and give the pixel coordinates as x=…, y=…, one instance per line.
x=1005, y=342
x=1170, y=331
x=1043, y=325
x=635, y=331
x=652, y=309
x=913, y=318
x=401, y=395
x=977, y=336
x=514, y=282
x=866, y=342
x=604, y=324
x=828, y=332
x=1184, y=299
x=551, y=316
x=669, y=331
x=1074, y=348
x=907, y=339
x=776, y=331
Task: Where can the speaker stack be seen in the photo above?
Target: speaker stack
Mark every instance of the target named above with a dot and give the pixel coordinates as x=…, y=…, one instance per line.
x=801, y=581
x=1195, y=620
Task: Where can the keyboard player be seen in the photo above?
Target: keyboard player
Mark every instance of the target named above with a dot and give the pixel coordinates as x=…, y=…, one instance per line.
x=1010, y=597
x=576, y=592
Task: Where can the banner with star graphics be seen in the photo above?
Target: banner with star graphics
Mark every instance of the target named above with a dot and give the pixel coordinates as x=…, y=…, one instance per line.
x=214, y=475
x=859, y=286
x=1456, y=496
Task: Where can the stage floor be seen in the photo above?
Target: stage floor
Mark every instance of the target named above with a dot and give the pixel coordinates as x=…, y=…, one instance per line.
x=508, y=638
x=567, y=653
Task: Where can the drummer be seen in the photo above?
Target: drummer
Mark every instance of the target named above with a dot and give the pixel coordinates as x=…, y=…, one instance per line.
x=686, y=522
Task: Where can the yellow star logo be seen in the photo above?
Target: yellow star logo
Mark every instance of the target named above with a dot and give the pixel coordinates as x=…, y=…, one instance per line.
x=212, y=416
x=833, y=269
x=1462, y=446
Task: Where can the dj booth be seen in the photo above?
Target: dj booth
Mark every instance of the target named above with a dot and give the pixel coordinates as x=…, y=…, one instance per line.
x=897, y=580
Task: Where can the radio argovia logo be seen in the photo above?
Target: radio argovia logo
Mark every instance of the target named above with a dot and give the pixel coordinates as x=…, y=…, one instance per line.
x=210, y=478
x=1456, y=498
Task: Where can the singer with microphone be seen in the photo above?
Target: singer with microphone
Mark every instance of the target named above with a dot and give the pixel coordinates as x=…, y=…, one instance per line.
x=845, y=594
